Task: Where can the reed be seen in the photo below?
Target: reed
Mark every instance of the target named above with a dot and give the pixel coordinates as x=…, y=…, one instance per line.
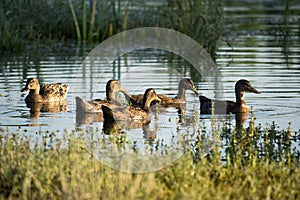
x=92, y=21
x=84, y=20
x=75, y=21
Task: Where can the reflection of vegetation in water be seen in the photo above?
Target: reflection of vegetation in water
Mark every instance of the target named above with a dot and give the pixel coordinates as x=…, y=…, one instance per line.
x=285, y=30
x=60, y=165
x=202, y=20
x=97, y=20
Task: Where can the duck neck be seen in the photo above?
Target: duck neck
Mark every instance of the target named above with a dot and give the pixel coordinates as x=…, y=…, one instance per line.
x=110, y=95
x=239, y=96
x=34, y=91
x=181, y=92
x=146, y=105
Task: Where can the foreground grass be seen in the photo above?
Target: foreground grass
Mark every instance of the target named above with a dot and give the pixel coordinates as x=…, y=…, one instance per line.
x=65, y=169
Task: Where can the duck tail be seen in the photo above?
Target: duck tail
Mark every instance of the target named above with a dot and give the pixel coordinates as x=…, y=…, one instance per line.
x=107, y=113
x=82, y=105
x=204, y=98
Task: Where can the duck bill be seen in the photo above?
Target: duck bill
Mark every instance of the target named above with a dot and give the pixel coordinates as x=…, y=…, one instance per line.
x=127, y=96
x=254, y=91
x=195, y=91
x=123, y=90
x=24, y=89
x=156, y=99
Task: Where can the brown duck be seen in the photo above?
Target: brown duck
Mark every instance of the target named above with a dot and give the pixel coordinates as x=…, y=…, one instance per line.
x=94, y=106
x=183, y=85
x=225, y=107
x=55, y=92
x=116, y=113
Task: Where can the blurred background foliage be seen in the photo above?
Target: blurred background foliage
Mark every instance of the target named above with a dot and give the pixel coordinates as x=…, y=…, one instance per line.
x=91, y=21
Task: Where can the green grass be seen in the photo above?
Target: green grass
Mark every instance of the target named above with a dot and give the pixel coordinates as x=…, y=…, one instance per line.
x=60, y=165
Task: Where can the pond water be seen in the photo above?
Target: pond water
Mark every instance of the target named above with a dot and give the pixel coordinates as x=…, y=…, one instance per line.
x=259, y=44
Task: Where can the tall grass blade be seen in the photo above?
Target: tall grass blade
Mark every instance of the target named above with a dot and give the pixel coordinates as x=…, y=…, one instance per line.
x=75, y=20
x=124, y=27
x=84, y=20
x=91, y=28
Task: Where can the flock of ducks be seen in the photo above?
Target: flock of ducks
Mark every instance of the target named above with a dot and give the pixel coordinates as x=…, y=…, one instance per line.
x=138, y=105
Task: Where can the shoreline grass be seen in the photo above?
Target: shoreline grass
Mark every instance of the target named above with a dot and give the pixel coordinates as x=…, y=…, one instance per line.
x=63, y=167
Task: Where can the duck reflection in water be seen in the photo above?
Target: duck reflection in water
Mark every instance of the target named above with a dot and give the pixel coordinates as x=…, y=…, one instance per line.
x=148, y=133
x=115, y=128
x=111, y=127
x=88, y=118
x=240, y=119
x=37, y=108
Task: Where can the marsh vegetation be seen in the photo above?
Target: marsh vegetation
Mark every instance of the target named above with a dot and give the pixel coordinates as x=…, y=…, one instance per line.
x=258, y=163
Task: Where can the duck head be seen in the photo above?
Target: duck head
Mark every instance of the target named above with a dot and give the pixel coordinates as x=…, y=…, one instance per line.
x=113, y=86
x=31, y=84
x=243, y=86
x=149, y=96
x=186, y=84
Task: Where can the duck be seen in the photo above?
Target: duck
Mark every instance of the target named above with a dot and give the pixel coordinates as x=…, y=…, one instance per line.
x=183, y=85
x=55, y=92
x=140, y=115
x=94, y=106
x=226, y=107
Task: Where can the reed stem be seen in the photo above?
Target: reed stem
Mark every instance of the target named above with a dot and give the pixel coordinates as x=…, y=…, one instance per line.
x=84, y=21
x=91, y=28
x=75, y=21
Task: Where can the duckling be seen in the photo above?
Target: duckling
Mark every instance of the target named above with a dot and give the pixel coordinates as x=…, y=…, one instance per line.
x=183, y=85
x=113, y=113
x=55, y=92
x=227, y=107
x=94, y=106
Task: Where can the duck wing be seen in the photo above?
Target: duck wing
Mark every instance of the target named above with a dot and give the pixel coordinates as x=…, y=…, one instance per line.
x=117, y=113
x=220, y=107
x=134, y=100
x=55, y=91
x=170, y=101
